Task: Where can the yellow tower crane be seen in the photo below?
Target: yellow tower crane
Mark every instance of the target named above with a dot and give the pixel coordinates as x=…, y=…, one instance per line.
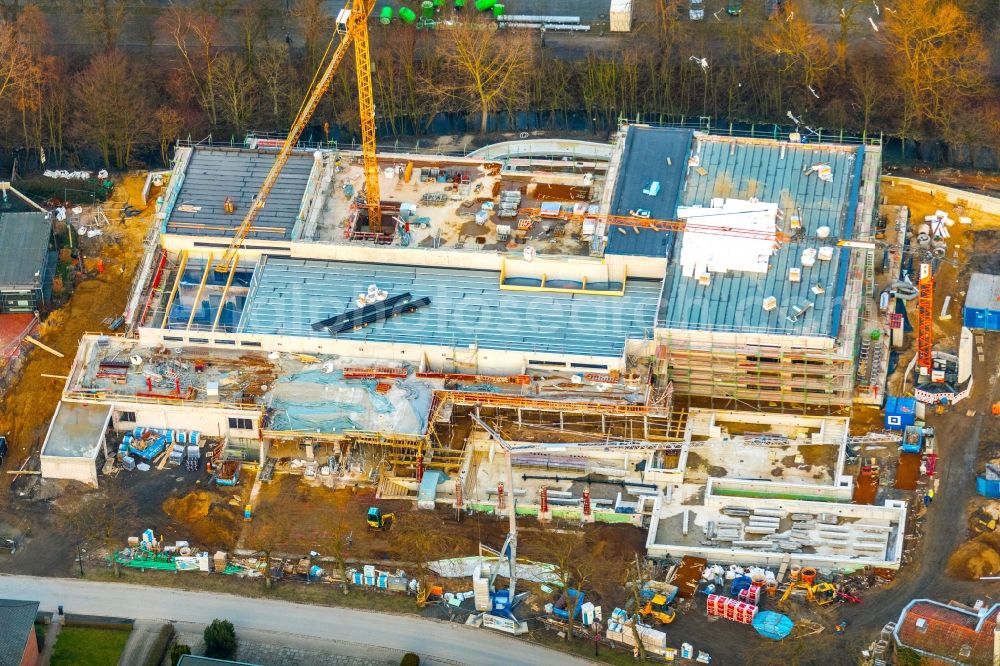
x=352, y=27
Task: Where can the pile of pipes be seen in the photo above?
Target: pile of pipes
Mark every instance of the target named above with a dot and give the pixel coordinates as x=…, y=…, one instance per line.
x=565, y=23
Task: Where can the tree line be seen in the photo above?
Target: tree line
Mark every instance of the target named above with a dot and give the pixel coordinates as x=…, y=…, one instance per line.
x=919, y=69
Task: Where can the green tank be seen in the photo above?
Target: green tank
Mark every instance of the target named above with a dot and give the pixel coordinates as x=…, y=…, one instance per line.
x=427, y=9
x=385, y=15
x=498, y=10
x=483, y=5
x=407, y=15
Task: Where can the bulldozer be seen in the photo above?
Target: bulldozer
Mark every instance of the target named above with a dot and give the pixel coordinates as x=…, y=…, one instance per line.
x=657, y=610
x=981, y=521
x=379, y=521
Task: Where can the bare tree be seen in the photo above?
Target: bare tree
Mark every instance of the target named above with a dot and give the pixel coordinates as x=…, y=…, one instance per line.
x=273, y=71
x=570, y=554
x=101, y=516
x=315, y=26
x=869, y=87
x=800, y=50
x=14, y=57
x=937, y=59
x=169, y=124
x=253, y=19
x=489, y=66
x=110, y=107
x=195, y=34
x=236, y=90
x=104, y=19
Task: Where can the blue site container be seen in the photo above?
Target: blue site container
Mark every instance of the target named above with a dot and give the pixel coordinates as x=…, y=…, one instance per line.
x=900, y=412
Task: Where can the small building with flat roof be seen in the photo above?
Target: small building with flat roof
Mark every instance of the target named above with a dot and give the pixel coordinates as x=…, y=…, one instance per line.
x=25, y=269
x=982, y=302
x=75, y=442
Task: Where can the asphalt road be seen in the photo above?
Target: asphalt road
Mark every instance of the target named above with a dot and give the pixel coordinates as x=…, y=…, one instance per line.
x=440, y=642
x=958, y=442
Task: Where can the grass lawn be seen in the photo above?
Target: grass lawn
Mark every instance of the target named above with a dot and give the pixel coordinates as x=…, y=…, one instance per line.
x=86, y=646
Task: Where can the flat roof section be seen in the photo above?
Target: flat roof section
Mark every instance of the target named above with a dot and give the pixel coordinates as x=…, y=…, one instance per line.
x=24, y=245
x=467, y=307
x=644, y=160
x=216, y=173
x=76, y=430
x=772, y=172
x=984, y=292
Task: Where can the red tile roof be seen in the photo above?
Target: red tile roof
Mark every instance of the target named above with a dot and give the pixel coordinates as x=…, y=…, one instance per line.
x=12, y=328
x=950, y=633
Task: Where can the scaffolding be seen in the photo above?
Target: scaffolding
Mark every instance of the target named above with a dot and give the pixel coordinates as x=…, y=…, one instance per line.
x=757, y=374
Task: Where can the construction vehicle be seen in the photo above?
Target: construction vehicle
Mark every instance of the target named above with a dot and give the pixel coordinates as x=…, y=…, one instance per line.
x=982, y=521
x=913, y=439
x=870, y=466
x=656, y=610
x=378, y=520
x=503, y=602
x=824, y=593
x=351, y=28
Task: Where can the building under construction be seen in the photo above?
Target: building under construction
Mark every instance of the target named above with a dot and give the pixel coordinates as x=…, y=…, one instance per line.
x=574, y=294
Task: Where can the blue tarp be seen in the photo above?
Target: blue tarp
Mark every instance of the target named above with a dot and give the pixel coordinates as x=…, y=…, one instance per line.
x=773, y=625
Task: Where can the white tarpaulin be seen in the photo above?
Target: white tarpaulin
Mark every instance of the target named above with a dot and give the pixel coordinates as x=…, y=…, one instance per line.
x=747, y=247
x=460, y=567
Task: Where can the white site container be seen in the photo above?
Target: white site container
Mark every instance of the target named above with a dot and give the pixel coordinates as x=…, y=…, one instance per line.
x=620, y=15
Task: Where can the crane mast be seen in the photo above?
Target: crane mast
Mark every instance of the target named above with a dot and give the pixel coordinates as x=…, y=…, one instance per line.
x=925, y=320
x=509, y=549
x=652, y=224
x=352, y=26
x=366, y=106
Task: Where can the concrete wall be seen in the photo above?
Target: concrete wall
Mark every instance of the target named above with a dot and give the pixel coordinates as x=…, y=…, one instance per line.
x=826, y=493
x=970, y=200
x=743, y=342
x=83, y=470
x=893, y=511
x=209, y=420
x=644, y=267
x=485, y=361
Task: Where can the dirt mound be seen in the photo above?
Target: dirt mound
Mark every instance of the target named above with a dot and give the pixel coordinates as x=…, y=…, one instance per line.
x=189, y=508
x=976, y=558
x=204, y=519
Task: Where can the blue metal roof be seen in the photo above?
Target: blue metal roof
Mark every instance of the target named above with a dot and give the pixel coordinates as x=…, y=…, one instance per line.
x=467, y=307
x=645, y=160
x=213, y=174
x=771, y=172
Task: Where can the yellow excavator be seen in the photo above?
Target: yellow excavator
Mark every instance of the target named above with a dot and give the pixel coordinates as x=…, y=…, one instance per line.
x=657, y=610
x=820, y=593
x=378, y=520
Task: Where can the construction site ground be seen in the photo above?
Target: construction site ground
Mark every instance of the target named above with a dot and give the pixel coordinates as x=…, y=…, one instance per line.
x=28, y=406
x=293, y=514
